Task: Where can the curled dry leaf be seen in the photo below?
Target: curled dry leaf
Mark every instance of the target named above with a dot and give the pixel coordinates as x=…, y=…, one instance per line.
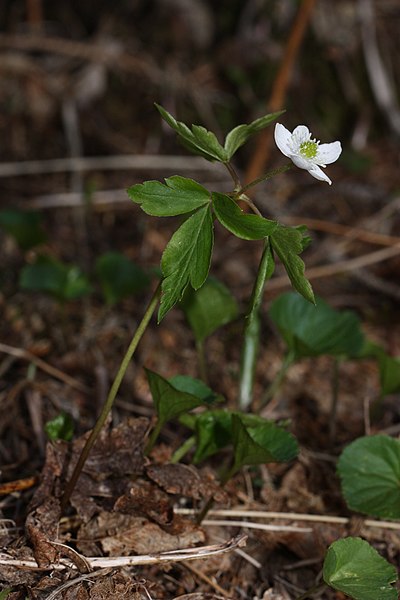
x=121, y=535
x=41, y=527
x=185, y=480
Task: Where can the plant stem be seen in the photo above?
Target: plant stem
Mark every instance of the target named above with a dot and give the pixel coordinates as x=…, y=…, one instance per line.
x=275, y=385
x=264, y=178
x=153, y=437
x=201, y=357
x=234, y=175
x=183, y=449
x=310, y=593
x=209, y=504
x=111, y=396
x=252, y=329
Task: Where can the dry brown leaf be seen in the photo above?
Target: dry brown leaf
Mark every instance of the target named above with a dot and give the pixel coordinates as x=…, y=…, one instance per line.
x=121, y=535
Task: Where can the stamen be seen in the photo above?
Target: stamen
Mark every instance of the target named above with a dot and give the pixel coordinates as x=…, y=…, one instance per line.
x=309, y=149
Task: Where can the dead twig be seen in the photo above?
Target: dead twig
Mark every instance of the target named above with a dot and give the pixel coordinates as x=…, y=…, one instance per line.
x=341, y=266
x=97, y=562
x=119, y=162
x=44, y=366
x=263, y=514
x=353, y=233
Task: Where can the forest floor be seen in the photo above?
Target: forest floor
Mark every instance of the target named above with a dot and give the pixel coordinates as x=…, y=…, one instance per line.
x=63, y=356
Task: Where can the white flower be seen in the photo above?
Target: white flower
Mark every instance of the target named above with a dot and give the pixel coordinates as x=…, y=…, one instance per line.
x=305, y=152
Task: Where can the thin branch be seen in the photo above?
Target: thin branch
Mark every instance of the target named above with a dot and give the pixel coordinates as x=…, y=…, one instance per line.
x=147, y=162
x=263, y=514
x=342, y=266
x=44, y=366
x=130, y=561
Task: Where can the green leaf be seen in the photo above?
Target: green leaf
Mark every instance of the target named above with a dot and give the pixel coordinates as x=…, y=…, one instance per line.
x=310, y=330
x=198, y=140
x=261, y=443
x=119, y=277
x=243, y=225
x=209, y=308
x=213, y=430
x=60, y=428
x=179, y=196
x=288, y=243
x=369, y=469
x=5, y=592
x=25, y=227
x=195, y=387
x=239, y=136
x=389, y=372
x=186, y=259
x=355, y=568
x=169, y=401
x=64, y=282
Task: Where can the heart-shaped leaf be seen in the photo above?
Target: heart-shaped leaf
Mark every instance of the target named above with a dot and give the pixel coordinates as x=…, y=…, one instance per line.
x=48, y=275
x=369, y=469
x=25, y=227
x=169, y=401
x=355, y=568
x=262, y=443
x=310, y=330
x=209, y=308
x=195, y=387
x=119, y=277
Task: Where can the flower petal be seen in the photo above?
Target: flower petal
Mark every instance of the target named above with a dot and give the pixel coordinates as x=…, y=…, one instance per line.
x=282, y=138
x=318, y=173
x=301, y=161
x=328, y=153
x=301, y=133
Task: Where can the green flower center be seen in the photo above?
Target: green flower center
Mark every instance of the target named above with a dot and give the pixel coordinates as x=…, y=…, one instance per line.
x=309, y=149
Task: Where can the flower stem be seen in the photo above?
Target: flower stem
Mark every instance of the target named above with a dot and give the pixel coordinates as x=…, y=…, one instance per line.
x=111, y=396
x=264, y=178
x=252, y=329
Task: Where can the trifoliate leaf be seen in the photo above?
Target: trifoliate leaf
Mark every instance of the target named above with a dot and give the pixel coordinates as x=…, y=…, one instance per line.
x=169, y=401
x=239, y=136
x=209, y=308
x=177, y=196
x=198, y=140
x=369, y=469
x=287, y=242
x=243, y=225
x=355, y=568
x=186, y=259
x=310, y=330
